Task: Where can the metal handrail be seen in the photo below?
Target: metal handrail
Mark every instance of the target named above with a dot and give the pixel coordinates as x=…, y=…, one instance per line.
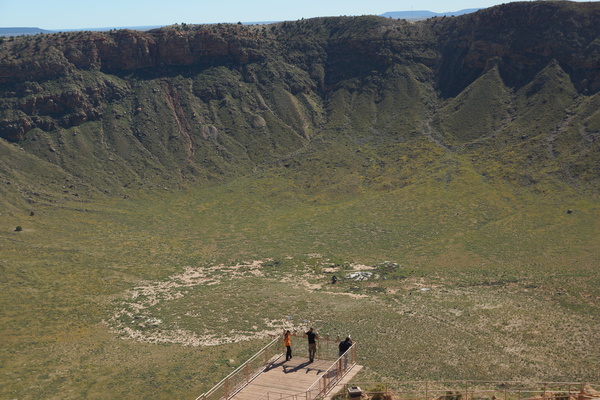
x=243, y=369
x=341, y=370
x=339, y=374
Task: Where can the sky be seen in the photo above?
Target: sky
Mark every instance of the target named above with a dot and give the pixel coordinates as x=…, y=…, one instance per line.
x=81, y=14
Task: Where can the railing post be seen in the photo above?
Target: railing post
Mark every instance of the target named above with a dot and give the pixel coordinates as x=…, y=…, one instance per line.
x=581, y=392
x=265, y=358
x=318, y=349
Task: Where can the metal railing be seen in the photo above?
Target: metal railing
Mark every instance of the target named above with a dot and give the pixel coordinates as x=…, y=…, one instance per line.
x=327, y=347
x=245, y=373
x=471, y=390
x=333, y=375
x=325, y=383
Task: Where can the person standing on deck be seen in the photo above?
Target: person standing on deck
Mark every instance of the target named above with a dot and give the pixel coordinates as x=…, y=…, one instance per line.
x=343, y=349
x=345, y=346
x=312, y=343
x=287, y=340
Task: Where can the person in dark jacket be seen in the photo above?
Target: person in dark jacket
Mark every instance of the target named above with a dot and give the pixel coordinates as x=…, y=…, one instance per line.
x=312, y=343
x=345, y=346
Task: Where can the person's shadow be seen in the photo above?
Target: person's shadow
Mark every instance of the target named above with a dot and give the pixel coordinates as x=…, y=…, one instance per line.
x=275, y=365
x=288, y=370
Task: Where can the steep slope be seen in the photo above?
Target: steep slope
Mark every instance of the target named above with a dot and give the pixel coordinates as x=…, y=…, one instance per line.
x=366, y=100
x=477, y=112
x=520, y=38
x=231, y=168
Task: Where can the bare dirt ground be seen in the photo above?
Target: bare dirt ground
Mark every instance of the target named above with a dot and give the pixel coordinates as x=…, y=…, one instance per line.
x=132, y=318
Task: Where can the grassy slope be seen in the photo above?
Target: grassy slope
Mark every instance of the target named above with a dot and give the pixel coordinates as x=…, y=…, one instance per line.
x=514, y=282
x=473, y=208
x=513, y=275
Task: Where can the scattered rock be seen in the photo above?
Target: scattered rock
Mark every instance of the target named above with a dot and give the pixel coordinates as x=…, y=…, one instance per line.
x=152, y=322
x=258, y=122
x=209, y=132
x=361, y=276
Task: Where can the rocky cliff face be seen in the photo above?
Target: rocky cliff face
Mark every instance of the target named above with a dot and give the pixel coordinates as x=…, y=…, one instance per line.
x=521, y=39
x=203, y=102
x=42, y=79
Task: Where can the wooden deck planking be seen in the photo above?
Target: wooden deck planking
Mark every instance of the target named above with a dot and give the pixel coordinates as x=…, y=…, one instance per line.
x=286, y=377
x=342, y=384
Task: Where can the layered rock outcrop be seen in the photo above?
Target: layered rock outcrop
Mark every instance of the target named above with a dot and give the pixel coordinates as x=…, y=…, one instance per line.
x=519, y=38
x=186, y=102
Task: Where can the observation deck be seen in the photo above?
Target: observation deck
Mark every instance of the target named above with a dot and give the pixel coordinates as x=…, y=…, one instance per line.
x=268, y=376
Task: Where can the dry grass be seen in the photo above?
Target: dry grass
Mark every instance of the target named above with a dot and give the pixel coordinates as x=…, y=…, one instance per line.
x=162, y=296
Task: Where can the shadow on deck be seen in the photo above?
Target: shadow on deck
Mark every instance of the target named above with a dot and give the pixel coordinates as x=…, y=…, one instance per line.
x=296, y=379
x=268, y=376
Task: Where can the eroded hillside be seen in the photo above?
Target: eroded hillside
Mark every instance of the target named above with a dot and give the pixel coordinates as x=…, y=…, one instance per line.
x=513, y=87
x=455, y=162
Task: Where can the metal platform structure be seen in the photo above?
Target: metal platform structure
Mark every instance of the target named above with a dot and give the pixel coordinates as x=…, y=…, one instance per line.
x=268, y=376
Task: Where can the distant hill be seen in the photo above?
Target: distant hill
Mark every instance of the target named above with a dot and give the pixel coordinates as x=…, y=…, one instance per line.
x=423, y=14
x=21, y=31
x=16, y=31
x=407, y=15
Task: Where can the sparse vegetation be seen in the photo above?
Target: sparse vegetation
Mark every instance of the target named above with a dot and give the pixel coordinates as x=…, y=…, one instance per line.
x=184, y=212
x=499, y=299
